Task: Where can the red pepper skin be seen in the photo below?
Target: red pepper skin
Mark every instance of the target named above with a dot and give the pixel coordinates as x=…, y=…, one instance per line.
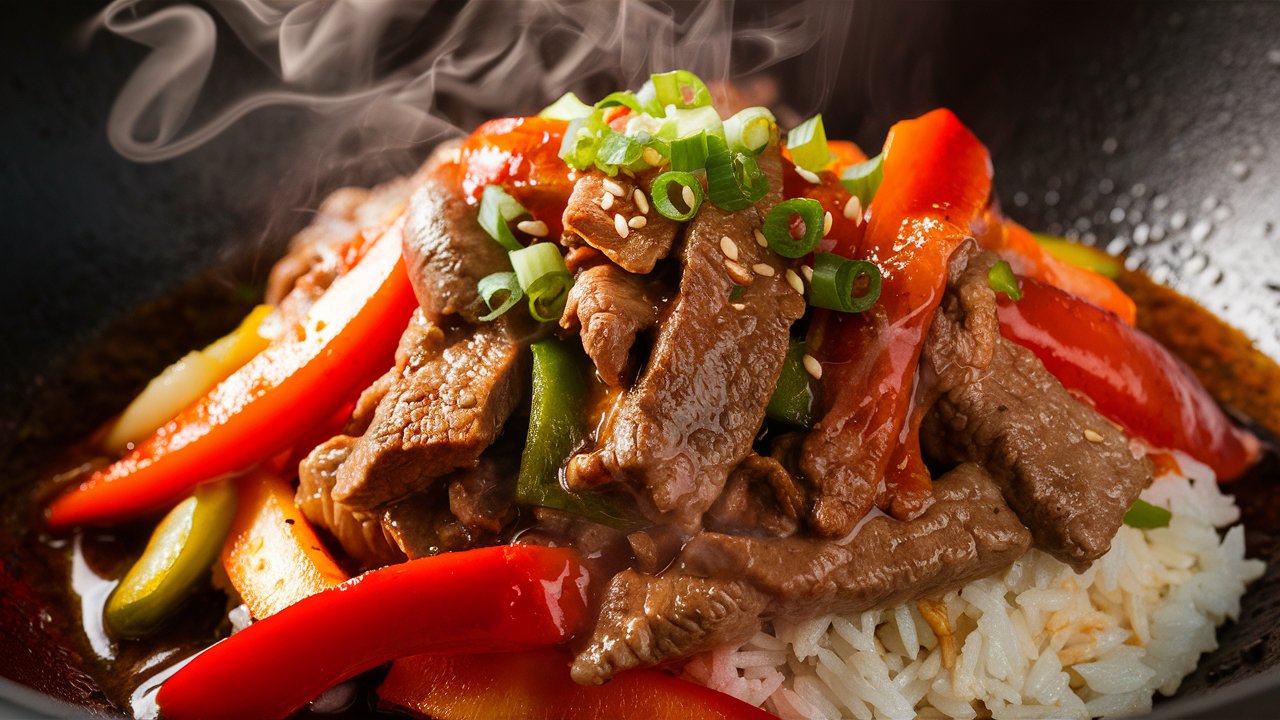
x=499, y=599
x=536, y=686
x=346, y=339
x=1128, y=377
x=936, y=186
x=523, y=156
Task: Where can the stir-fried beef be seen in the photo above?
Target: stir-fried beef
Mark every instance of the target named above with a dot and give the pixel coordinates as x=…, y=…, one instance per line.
x=723, y=585
x=760, y=498
x=609, y=306
x=693, y=413
x=965, y=331
x=474, y=508
x=447, y=252
x=647, y=620
x=454, y=387
x=593, y=218
x=360, y=533
x=1066, y=471
x=967, y=533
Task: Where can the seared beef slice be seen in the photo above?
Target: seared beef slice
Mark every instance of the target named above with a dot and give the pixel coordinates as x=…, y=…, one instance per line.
x=693, y=413
x=585, y=218
x=609, y=306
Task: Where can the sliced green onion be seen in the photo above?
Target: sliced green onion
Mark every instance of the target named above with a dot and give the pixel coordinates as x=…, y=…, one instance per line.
x=648, y=99
x=1083, y=256
x=750, y=129
x=616, y=150
x=808, y=145
x=568, y=107
x=864, y=178
x=834, y=278
x=661, y=193
x=684, y=123
x=734, y=180
x=624, y=98
x=544, y=278
x=690, y=153
x=680, y=88
x=582, y=140
x=491, y=286
x=793, y=397
x=777, y=227
x=1001, y=279
x=1145, y=516
x=497, y=210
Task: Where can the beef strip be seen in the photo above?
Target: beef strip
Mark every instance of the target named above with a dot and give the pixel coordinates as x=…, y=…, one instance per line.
x=453, y=390
x=447, y=252
x=760, y=498
x=584, y=218
x=722, y=586
x=361, y=534
x=647, y=620
x=696, y=408
x=1066, y=471
x=609, y=306
x=967, y=533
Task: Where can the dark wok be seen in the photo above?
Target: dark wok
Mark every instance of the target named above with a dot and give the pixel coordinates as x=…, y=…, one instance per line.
x=1093, y=111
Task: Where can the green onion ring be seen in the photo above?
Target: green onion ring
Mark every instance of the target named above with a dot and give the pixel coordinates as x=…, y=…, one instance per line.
x=734, y=180
x=660, y=191
x=833, y=281
x=777, y=227
x=499, y=282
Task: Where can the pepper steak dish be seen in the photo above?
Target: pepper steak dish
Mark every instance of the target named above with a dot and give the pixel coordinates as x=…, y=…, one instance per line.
x=635, y=409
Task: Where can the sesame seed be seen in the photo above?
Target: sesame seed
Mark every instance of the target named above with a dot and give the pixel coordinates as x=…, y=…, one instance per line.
x=606, y=201
x=642, y=202
x=638, y=221
x=794, y=280
x=686, y=194
x=729, y=247
x=652, y=157
x=807, y=272
x=761, y=240
x=764, y=269
x=613, y=188
x=536, y=228
x=809, y=177
x=620, y=224
x=826, y=223
x=737, y=272
x=812, y=366
x=853, y=209
x=738, y=306
x=627, y=171
x=1092, y=436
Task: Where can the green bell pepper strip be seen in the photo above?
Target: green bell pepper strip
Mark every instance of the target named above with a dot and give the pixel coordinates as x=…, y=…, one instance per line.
x=1145, y=516
x=793, y=397
x=178, y=555
x=557, y=427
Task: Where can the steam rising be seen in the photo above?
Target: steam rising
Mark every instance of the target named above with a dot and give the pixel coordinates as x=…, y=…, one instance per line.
x=417, y=70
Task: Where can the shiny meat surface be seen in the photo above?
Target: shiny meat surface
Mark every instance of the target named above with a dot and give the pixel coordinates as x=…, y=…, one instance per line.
x=360, y=533
x=586, y=217
x=608, y=306
x=692, y=415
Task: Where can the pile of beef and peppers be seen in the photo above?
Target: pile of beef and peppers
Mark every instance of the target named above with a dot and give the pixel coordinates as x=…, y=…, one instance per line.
x=598, y=390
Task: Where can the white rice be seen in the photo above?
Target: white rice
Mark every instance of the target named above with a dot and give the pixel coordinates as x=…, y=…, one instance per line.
x=1037, y=641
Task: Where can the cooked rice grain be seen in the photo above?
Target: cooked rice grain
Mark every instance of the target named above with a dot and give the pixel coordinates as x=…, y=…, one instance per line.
x=1038, y=641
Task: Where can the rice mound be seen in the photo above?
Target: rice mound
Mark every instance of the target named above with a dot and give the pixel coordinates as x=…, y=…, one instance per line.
x=1037, y=641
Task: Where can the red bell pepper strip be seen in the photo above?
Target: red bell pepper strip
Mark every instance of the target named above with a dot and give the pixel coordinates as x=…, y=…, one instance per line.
x=345, y=340
x=499, y=599
x=1130, y=378
x=536, y=686
x=937, y=181
x=523, y=156
x=1028, y=258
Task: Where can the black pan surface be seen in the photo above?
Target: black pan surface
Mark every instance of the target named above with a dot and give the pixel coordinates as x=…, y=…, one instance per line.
x=1152, y=128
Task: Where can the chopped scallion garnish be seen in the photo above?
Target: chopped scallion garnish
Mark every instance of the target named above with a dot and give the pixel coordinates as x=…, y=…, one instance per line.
x=689, y=188
x=834, y=278
x=568, y=107
x=864, y=179
x=624, y=98
x=1145, y=516
x=680, y=88
x=685, y=123
x=689, y=153
x=544, y=278
x=500, y=284
x=618, y=150
x=777, y=227
x=750, y=129
x=808, y=145
x=734, y=179
x=582, y=141
x=1001, y=279
x=497, y=210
